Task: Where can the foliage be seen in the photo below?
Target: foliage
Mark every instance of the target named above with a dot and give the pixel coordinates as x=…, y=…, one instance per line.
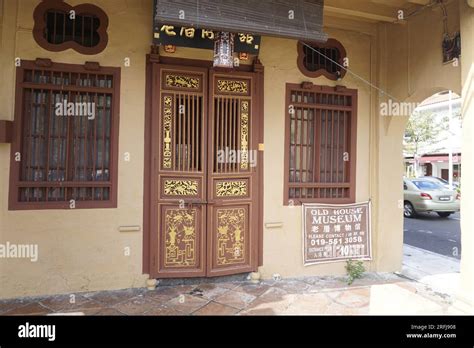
x=355, y=270
x=423, y=131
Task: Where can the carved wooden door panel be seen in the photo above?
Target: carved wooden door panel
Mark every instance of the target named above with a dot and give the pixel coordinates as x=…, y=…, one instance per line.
x=182, y=172
x=232, y=170
x=206, y=187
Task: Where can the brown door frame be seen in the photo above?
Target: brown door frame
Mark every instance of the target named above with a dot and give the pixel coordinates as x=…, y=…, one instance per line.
x=150, y=196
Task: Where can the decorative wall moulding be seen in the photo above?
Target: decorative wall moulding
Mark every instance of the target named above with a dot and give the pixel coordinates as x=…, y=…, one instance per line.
x=60, y=26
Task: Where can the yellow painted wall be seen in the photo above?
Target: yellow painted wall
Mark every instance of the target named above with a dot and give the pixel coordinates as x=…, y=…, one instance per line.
x=83, y=251
x=80, y=250
x=279, y=57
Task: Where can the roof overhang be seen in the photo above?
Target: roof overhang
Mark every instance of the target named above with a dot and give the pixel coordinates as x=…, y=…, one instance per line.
x=295, y=19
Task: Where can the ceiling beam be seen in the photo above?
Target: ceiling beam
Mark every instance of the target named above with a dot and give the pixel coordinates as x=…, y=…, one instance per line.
x=385, y=17
x=419, y=2
x=391, y=3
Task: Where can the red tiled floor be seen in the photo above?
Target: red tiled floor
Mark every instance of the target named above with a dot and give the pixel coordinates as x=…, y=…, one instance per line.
x=166, y=293
x=6, y=306
x=235, y=299
x=214, y=309
x=29, y=309
x=186, y=304
x=209, y=291
x=111, y=298
x=136, y=306
x=229, y=285
x=163, y=311
x=252, y=289
x=295, y=286
x=69, y=303
x=307, y=296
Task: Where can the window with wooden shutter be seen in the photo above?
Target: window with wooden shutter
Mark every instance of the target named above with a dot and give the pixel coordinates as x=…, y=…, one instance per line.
x=320, y=146
x=66, y=137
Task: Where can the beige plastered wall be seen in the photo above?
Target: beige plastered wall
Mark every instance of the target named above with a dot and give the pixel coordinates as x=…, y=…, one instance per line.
x=84, y=251
x=410, y=71
x=465, y=293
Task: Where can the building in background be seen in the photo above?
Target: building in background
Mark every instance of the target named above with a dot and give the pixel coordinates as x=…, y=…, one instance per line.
x=433, y=159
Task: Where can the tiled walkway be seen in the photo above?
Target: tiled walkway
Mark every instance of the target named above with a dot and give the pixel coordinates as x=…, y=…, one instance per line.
x=374, y=294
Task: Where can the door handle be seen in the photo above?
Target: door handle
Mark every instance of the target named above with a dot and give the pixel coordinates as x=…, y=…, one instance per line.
x=215, y=202
x=191, y=203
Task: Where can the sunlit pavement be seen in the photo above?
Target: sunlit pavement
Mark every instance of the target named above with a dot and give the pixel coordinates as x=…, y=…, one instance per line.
x=440, y=272
x=374, y=294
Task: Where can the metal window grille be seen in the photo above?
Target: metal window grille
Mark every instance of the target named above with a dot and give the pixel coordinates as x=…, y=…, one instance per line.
x=69, y=134
x=61, y=28
x=317, y=58
x=320, y=139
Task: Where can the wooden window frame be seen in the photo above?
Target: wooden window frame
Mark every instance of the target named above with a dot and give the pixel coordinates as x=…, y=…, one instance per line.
x=330, y=44
x=15, y=182
x=60, y=6
x=351, y=185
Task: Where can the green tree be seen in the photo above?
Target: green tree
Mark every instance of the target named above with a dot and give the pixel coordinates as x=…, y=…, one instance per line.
x=425, y=130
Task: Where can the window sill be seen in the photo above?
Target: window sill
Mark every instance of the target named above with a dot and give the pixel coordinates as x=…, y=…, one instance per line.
x=79, y=205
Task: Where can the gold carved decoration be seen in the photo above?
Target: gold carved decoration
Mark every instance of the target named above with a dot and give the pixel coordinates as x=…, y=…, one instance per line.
x=179, y=81
x=232, y=86
x=180, y=238
x=244, y=134
x=181, y=188
x=231, y=189
x=231, y=226
x=167, y=122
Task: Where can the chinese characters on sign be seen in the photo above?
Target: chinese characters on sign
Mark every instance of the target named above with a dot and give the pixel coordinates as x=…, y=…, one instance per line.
x=336, y=232
x=165, y=34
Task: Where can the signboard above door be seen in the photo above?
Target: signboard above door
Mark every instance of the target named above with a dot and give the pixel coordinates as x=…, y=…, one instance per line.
x=294, y=19
x=167, y=34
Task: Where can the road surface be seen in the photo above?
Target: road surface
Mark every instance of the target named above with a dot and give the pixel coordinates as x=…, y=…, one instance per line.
x=430, y=232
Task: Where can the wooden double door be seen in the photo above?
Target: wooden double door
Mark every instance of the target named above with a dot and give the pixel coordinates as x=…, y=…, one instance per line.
x=206, y=173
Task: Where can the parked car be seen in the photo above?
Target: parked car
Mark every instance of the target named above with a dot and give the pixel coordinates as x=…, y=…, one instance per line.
x=441, y=181
x=425, y=196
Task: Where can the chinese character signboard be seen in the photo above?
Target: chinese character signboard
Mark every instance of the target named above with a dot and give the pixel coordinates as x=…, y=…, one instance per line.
x=336, y=232
x=165, y=34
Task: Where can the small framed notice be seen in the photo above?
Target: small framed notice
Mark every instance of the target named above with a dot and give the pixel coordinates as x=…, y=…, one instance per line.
x=334, y=233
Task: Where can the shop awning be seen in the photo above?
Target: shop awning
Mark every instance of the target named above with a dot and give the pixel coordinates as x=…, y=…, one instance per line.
x=435, y=159
x=440, y=159
x=296, y=19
